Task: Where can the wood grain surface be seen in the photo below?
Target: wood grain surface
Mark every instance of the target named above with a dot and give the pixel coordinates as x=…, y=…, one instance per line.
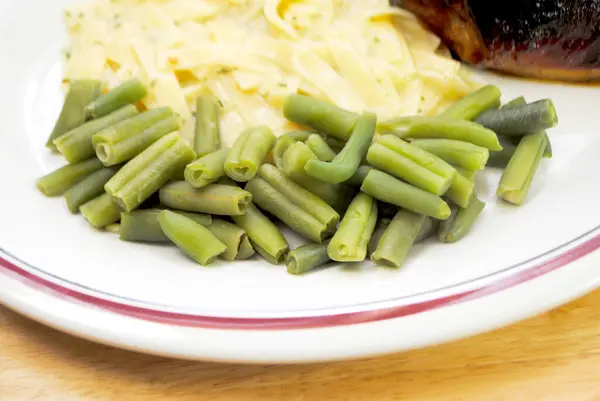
x=555, y=356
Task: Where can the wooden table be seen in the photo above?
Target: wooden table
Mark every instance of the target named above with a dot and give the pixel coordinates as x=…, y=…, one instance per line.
x=555, y=356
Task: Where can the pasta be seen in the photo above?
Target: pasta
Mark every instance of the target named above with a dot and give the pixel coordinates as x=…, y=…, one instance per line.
x=251, y=54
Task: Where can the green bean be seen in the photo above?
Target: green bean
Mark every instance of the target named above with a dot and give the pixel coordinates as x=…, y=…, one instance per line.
x=518, y=175
x=301, y=197
x=429, y=228
x=361, y=173
x=284, y=142
x=458, y=153
x=72, y=115
x=442, y=128
x=232, y=236
x=143, y=225
x=306, y=258
x=59, y=181
x=349, y=244
x=207, y=131
x=380, y=227
x=474, y=103
x=127, y=93
x=461, y=191
x=264, y=235
x=76, y=145
x=519, y=101
x=216, y=199
x=461, y=221
x=89, y=188
x=127, y=139
x=345, y=164
x=388, y=189
x=269, y=199
x=192, y=238
x=149, y=171
x=246, y=250
x=248, y=153
x=101, y=211
x=207, y=169
x=320, y=148
x=398, y=239
x=518, y=120
x=322, y=116
x=501, y=158
x=468, y=174
x=114, y=228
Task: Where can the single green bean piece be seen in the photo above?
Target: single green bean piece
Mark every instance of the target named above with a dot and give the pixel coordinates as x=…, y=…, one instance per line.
x=264, y=235
x=474, y=103
x=345, y=164
x=207, y=133
x=72, y=115
x=284, y=142
x=430, y=227
x=319, y=115
x=233, y=237
x=146, y=173
x=442, y=128
x=388, y=189
x=459, y=225
x=269, y=199
x=59, y=181
x=127, y=139
x=248, y=153
x=518, y=120
x=349, y=244
x=192, y=238
x=458, y=153
x=398, y=239
x=306, y=258
x=143, y=225
x=207, y=169
x=76, y=145
x=461, y=191
x=89, y=188
x=101, y=211
x=224, y=200
x=320, y=148
x=518, y=175
x=357, y=179
x=127, y=93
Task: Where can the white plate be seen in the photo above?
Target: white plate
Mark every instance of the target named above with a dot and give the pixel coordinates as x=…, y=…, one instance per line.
x=56, y=269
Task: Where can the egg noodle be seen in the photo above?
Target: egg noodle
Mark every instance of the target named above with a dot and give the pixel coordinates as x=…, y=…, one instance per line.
x=251, y=54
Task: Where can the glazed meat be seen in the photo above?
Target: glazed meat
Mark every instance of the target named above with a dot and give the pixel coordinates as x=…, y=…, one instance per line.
x=554, y=39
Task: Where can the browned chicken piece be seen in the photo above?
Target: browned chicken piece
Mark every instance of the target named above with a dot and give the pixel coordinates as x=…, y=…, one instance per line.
x=552, y=39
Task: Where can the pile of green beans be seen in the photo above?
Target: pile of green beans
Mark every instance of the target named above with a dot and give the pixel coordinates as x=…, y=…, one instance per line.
x=354, y=187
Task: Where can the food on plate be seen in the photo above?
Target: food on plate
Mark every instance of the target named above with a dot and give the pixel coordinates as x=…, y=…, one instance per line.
x=59, y=181
x=306, y=258
x=248, y=153
x=460, y=222
x=207, y=132
x=143, y=225
x=217, y=199
x=552, y=39
x=127, y=93
x=89, y=188
x=101, y=211
x=398, y=238
x=207, y=169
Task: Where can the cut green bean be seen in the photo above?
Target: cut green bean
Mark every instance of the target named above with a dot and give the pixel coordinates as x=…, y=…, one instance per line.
x=76, y=145
x=398, y=239
x=206, y=170
x=248, y=153
x=59, y=181
x=322, y=116
x=349, y=244
x=89, y=188
x=112, y=148
x=461, y=191
x=345, y=164
x=72, y=115
x=361, y=173
x=264, y=235
x=474, y=103
x=442, y=128
x=429, y=229
x=503, y=159
x=246, y=250
x=233, y=237
x=215, y=199
x=192, y=238
x=458, y=153
x=284, y=142
x=518, y=120
x=143, y=225
x=388, y=189
x=380, y=227
x=320, y=148
x=468, y=174
x=101, y=211
x=271, y=200
x=207, y=132
x=146, y=173
x=458, y=226
x=306, y=258
x=127, y=93
x=520, y=171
